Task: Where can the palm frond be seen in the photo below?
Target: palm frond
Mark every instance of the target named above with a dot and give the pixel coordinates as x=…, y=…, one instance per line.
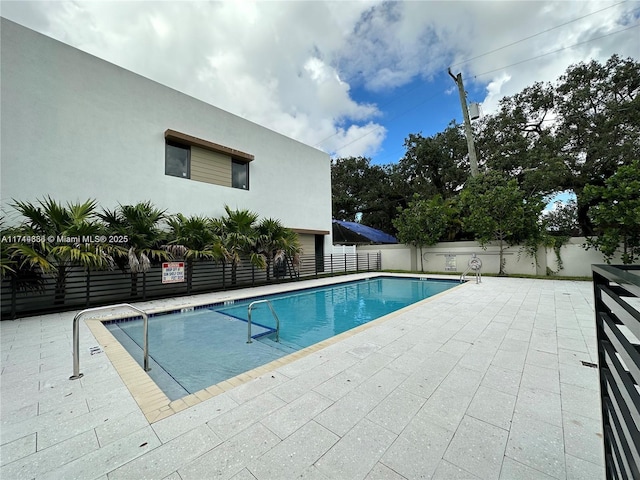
x=26, y=256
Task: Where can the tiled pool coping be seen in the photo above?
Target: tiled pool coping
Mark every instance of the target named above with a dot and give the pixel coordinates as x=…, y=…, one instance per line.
x=152, y=400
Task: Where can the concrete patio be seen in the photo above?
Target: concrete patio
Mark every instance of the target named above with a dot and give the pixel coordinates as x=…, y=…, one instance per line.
x=485, y=381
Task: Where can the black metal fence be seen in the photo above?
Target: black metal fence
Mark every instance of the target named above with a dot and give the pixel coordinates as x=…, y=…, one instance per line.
x=617, y=305
x=83, y=289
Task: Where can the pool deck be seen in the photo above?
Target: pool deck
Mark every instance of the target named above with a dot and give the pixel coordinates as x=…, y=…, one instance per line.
x=485, y=381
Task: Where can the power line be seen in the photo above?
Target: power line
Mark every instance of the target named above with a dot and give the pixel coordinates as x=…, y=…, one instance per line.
x=558, y=50
x=535, y=35
x=491, y=71
x=485, y=54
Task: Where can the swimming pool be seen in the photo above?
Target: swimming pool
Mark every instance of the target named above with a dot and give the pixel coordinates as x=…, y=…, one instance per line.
x=191, y=350
x=310, y=316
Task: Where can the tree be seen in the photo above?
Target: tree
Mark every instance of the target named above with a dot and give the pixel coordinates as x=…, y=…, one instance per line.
x=140, y=225
x=424, y=222
x=66, y=236
x=192, y=238
x=348, y=183
x=277, y=244
x=435, y=165
x=25, y=271
x=498, y=211
x=366, y=193
x=563, y=219
x=238, y=236
x=615, y=214
x=599, y=128
x=566, y=135
x=519, y=140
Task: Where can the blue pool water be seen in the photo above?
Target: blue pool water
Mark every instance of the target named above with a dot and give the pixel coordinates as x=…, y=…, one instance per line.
x=192, y=350
x=310, y=316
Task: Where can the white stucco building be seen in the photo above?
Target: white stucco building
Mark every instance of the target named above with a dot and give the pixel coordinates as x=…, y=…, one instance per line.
x=76, y=127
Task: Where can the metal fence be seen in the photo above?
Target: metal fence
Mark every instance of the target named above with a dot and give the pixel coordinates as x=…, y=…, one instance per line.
x=83, y=289
x=617, y=305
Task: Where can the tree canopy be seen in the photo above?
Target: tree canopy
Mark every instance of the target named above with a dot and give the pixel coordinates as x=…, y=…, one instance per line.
x=616, y=214
x=569, y=135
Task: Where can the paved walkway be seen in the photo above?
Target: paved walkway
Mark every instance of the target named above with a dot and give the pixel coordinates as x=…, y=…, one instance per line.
x=483, y=382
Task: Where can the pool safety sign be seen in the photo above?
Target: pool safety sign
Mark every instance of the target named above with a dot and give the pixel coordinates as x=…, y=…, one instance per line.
x=172, y=272
x=450, y=263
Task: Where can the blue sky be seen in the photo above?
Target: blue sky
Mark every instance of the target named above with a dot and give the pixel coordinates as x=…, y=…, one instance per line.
x=350, y=77
x=421, y=106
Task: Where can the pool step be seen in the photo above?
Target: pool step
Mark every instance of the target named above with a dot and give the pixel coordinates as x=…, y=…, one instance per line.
x=278, y=345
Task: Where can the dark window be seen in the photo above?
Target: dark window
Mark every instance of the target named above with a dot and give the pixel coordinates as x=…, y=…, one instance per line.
x=239, y=175
x=177, y=160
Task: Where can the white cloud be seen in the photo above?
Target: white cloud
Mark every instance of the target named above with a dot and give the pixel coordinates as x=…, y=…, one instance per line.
x=301, y=67
x=495, y=93
x=356, y=140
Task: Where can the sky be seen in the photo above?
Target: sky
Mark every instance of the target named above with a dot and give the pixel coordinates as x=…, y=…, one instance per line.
x=348, y=77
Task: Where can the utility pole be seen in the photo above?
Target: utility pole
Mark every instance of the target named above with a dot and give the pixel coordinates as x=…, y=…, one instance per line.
x=473, y=159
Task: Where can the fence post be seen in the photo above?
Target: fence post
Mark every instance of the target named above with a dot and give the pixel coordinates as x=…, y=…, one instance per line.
x=14, y=288
x=144, y=285
x=345, y=262
x=331, y=264
x=88, y=288
x=189, y=266
x=224, y=275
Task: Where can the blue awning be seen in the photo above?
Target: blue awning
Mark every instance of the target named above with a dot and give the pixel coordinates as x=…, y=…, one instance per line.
x=352, y=232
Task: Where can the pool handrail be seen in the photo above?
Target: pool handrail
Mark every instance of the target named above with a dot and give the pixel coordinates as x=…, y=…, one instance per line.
x=273, y=312
x=76, y=336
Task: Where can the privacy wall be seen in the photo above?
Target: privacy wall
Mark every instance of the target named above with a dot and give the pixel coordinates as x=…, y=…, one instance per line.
x=449, y=257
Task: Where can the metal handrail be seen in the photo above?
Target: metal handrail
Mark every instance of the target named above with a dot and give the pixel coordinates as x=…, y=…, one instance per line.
x=474, y=264
x=76, y=336
x=273, y=312
x=478, y=274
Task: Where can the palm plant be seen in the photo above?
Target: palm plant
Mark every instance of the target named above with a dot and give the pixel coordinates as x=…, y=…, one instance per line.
x=193, y=238
x=238, y=237
x=60, y=231
x=277, y=244
x=140, y=224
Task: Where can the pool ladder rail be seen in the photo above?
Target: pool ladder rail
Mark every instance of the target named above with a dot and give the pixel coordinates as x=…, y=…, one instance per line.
x=76, y=336
x=273, y=312
x=475, y=266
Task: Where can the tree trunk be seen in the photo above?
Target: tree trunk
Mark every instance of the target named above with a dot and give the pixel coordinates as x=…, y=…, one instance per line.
x=61, y=285
x=234, y=273
x=501, y=272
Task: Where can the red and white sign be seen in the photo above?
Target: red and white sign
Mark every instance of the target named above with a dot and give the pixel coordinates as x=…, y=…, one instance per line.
x=172, y=272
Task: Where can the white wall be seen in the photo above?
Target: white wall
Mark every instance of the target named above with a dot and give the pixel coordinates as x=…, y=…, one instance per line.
x=76, y=127
x=342, y=249
x=576, y=260
x=394, y=257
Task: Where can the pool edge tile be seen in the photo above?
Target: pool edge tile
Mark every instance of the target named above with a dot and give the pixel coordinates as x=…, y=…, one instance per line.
x=153, y=402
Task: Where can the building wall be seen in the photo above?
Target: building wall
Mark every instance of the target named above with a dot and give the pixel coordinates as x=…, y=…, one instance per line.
x=76, y=127
x=454, y=256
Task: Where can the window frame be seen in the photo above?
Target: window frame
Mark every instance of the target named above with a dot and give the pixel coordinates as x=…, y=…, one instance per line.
x=183, y=140
x=236, y=163
x=187, y=148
